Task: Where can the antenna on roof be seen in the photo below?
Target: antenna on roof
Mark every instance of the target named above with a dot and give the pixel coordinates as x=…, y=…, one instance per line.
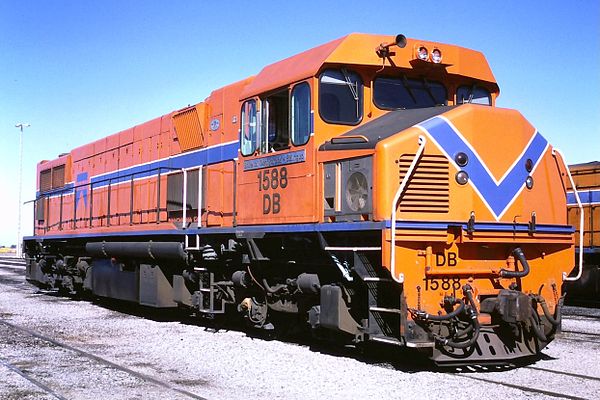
x=383, y=50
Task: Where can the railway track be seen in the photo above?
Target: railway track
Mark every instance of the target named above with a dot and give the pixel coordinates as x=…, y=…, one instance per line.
x=31, y=379
x=82, y=353
x=530, y=389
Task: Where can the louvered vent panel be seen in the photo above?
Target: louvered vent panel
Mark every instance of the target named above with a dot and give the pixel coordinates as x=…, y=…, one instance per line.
x=58, y=176
x=427, y=190
x=45, y=180
x=188, y=129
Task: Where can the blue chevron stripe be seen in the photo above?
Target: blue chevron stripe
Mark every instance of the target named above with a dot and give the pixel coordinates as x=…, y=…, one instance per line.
x=497, y=195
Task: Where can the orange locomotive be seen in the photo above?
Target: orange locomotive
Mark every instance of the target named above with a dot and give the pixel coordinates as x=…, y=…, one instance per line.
x=368, y=186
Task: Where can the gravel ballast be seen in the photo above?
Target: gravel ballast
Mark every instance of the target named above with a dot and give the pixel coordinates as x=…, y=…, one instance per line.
x=228, y=364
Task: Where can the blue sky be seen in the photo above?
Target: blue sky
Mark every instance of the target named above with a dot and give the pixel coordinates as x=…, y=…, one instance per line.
x=81, y=70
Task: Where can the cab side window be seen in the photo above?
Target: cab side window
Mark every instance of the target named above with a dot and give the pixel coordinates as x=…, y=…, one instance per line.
x=301, y=117
x=275, y=127
x=248, y=124
x=473, y=95
x=340, y=96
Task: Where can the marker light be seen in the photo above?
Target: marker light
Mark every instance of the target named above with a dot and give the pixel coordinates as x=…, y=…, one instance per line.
x=529, y=165
x=462, y=177
x=461, y=159
x=423, y=54
x=436, y=56
x=529, y=182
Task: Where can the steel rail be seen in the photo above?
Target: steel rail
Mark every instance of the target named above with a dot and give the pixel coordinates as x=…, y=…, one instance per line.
x=101, y=360
x=37, y=383
x=523, y=388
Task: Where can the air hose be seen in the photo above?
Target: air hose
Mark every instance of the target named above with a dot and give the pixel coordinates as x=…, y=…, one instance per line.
x=470, y=310
x=518, y=253
x=452, y=302
x=537, y=329
x=273, y=289
x=553, y=319
x=474, y=327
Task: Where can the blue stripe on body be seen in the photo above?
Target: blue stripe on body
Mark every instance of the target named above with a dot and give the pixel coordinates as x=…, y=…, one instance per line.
x=586, y=197
x=324, y=227
x=211, y=155
x=497, y=196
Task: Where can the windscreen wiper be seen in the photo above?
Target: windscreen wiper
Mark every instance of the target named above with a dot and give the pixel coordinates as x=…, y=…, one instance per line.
x=408, y=89
x=353, y=89
x=429, y=92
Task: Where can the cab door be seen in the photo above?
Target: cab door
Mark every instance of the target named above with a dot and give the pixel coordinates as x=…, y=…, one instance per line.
x=276, y=167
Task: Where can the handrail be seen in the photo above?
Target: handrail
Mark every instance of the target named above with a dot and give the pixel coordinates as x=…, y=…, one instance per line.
x=422, y=141
x=581, y=220
x=127, y=178
x=184, y=205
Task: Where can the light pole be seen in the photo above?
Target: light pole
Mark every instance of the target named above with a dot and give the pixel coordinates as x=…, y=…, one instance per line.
x=21, y=126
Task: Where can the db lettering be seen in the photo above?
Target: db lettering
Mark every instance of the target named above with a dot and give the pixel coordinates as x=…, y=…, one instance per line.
x=448, y=259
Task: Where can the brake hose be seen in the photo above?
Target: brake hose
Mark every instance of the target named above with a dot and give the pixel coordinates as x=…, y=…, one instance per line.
x=554, y=320
x=475, y=327
x=518, y=253
x=423, y=315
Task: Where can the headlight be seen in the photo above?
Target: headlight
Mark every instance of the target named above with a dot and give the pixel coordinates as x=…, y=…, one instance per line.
x=436, y=56
x=462, y=178
x=423, y=53
x=461, y=159
x=357, y=191
x=529, y=182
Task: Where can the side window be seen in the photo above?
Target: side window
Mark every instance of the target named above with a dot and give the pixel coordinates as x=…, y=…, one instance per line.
x=248, y=126
x=301, y=118
x=340, y=97
x=275, y=127
x=474, y=95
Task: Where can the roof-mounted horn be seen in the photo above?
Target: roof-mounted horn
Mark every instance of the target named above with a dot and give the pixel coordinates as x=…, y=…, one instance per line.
x=383, y=50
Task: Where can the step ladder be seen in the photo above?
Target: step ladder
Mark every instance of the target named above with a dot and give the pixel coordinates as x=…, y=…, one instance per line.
x=205, y=298
x=383, y=301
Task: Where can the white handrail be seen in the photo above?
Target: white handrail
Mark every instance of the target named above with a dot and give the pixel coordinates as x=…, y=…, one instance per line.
x=581, y=219
x=184, y=216
x=200, y=197
x=422, y=141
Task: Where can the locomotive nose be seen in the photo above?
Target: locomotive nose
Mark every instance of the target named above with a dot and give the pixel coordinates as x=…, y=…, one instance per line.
x=477, y=159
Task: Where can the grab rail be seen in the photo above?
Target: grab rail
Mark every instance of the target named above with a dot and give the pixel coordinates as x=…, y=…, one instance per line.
x=422, y=141
x=581, y=219
x=89, y=219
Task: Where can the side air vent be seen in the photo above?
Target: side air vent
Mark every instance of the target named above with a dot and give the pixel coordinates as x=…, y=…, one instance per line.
x=189, y=128
x=45, y=180
x=58, y=176
x=428, y=189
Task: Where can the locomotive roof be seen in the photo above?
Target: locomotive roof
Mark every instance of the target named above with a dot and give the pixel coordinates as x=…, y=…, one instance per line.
x=359, y=48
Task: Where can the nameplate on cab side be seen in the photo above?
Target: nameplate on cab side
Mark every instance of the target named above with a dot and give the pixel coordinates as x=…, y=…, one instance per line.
x=274, y=160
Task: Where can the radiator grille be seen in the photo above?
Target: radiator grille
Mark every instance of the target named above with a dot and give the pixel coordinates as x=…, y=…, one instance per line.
x=189, y=129
x=427, y=190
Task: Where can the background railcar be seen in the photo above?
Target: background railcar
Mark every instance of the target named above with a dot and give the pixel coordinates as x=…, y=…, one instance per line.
x=368, y=187
x=586, y=290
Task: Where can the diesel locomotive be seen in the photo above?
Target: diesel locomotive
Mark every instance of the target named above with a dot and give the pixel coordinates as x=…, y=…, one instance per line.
x=367, y=189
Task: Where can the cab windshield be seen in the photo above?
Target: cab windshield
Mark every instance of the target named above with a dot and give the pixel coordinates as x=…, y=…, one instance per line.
x=403, y=93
